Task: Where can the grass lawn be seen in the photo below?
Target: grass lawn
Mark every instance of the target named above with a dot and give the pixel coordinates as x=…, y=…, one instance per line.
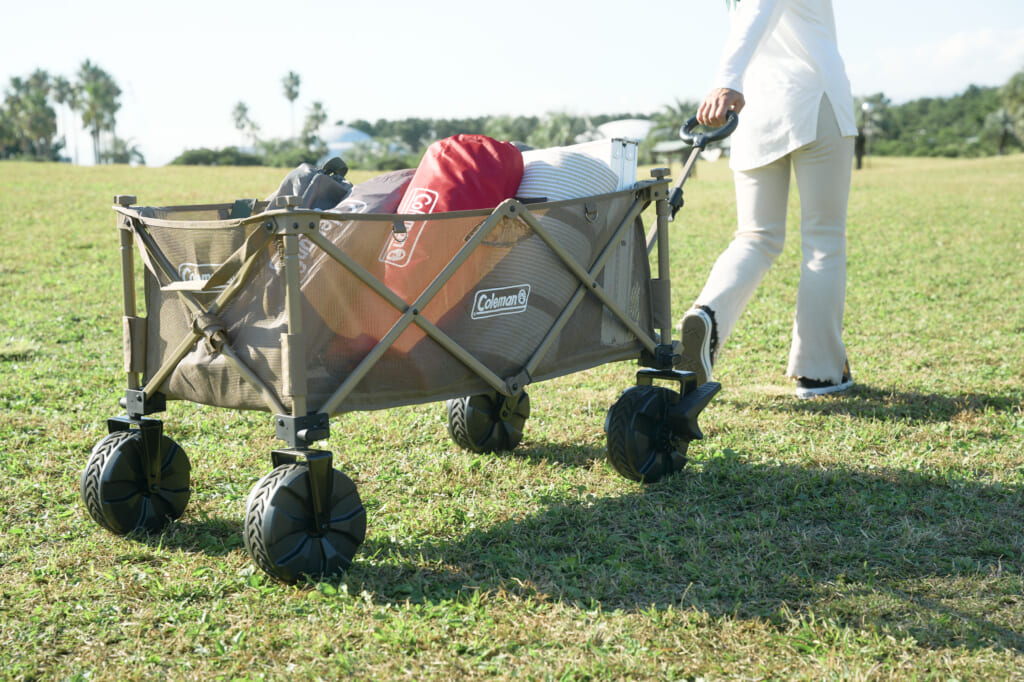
x=876, y=535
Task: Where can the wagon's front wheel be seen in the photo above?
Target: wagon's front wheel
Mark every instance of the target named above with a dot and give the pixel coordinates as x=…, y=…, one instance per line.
x=489, y=422
x=281, y=530
x=117, y=492
x=641, y=444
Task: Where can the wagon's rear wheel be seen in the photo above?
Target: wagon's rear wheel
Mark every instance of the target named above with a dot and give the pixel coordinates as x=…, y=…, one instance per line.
x=489, y=422
x=641, y=445
x=281, y=532
x=117, y=493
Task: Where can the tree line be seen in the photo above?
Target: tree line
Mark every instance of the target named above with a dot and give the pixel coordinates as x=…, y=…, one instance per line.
x=981, y=121
x=29, y=115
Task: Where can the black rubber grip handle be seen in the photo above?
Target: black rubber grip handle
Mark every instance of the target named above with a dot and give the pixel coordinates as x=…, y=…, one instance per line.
x=701, y=140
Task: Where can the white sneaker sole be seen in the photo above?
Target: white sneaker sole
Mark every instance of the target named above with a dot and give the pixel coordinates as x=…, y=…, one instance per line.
x=808, y=393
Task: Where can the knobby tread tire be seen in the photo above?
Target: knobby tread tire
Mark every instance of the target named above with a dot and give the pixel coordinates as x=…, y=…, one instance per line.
x=93, y=472
x=316, y=554
x=457, y=423
x=474, y=422
x=256, y=508
x=620, y=415
x=155, y=509
x=639, y=445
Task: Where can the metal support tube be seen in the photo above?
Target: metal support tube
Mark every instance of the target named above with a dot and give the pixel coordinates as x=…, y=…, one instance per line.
x=293, y=307
x=127, y=270
x=128, y=283
x=664, y=266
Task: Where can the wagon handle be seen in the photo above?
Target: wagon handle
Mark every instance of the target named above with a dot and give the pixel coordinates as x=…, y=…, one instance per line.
x=701, y=140
x=698, y=142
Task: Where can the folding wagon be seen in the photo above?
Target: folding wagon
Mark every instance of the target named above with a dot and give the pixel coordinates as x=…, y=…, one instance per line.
x=294, y=311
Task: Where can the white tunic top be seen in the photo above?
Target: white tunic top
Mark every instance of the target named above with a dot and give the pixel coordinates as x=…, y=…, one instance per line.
x=782, y=55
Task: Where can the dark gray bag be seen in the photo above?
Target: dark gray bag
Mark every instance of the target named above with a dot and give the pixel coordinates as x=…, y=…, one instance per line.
x=320, y=189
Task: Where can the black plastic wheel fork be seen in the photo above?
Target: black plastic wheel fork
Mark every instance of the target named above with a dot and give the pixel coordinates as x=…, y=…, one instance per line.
x=682, y=415
x=151, y=430
x=320, y=464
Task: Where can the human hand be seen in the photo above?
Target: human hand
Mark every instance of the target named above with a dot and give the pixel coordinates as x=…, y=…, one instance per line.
x=717, y=104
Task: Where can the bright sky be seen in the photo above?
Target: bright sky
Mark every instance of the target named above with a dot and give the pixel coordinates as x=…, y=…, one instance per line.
x=182, y=66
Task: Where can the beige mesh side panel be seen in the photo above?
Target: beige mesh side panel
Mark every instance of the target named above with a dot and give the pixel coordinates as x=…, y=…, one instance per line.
x=195, y=250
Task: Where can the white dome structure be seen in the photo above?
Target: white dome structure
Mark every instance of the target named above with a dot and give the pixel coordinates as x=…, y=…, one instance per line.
x=341, y=138
x=626, y=128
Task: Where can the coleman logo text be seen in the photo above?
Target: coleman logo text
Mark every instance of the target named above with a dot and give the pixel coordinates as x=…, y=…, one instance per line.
x=200, y=272
x=197, y=272
x=504, y=301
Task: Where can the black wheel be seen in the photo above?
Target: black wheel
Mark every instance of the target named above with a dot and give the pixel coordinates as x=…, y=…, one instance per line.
x=116, y=492
x=280, y=529
x=483, y=423
x=641, y=445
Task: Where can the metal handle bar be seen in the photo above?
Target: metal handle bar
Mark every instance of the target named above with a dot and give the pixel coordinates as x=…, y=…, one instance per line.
x=698, y=142
x=701, y=140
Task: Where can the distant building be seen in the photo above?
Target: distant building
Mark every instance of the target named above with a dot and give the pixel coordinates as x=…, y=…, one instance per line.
x=627, y=128
x=341, y=138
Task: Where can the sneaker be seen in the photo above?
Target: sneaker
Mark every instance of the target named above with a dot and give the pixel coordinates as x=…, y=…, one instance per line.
x=696, y=330
x=812, y=388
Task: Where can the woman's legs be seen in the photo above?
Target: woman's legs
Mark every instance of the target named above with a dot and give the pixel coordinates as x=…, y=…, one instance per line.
x=822, y=170
x=761, y=200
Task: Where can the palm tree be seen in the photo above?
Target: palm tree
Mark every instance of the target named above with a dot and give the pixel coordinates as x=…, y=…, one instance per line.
x=668, y=121
x=665, y=133
x=509, y=128
x=14, y=103
x=124, y=151
x=244, y=124
x=98, y=103
x=8, y=138
x=291, y=92
x=1013, y=99
x=315, y=118
x=555, y=130
x=31, y=121
x=240, y=115
x=66, y=96
x=41, y=122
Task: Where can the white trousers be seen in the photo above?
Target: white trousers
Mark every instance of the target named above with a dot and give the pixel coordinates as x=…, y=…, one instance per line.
x=822, y=169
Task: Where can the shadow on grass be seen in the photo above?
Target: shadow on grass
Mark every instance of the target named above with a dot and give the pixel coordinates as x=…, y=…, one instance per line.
x=889, y=404
x=555, y=454
x=213, y=535
x=898, y=553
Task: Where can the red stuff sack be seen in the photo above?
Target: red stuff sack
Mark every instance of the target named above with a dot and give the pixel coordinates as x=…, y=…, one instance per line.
x=459, y=173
